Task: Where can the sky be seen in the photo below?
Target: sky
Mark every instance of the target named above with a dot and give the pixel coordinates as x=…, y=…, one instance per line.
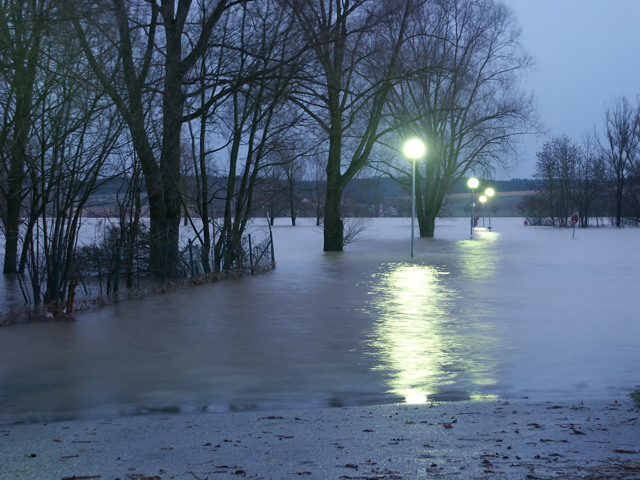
x=587, y=54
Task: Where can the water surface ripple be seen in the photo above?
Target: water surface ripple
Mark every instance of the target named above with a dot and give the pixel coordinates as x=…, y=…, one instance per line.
x=518, y=311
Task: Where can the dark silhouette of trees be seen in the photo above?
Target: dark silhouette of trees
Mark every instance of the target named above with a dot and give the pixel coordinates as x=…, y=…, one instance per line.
x=572, y=179
x=255, y=119
x=59, y=131
x=158, y=47
x=62, y=181
x=591, y=181
x=621, y=146
x=23, y=28
x=225, y=109
x=354, y=50
x=556, y=168
x=461, y=95
x=285, y=174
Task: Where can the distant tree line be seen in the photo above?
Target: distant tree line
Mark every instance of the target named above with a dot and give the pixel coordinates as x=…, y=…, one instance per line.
x=596, y=179
x=169, y=94
x=373, y=196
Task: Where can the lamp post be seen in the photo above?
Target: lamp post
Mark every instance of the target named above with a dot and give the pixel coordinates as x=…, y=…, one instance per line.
x=413, y=149
x=473, y=183
x=489, y=192
x=482, y=199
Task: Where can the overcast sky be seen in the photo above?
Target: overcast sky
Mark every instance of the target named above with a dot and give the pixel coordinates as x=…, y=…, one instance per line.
x=587, y=53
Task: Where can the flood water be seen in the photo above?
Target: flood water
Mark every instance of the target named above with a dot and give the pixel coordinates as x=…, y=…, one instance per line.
x=518, y=311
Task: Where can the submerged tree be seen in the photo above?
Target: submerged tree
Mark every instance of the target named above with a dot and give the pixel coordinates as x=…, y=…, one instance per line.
x=591, y=181
x=556, y=168
x=571, y=177
x=23, y=28
x=158, y=46
x=254, y=119
x=622, y=146
x=460, y=95
x=352, y=64
x=76, y=128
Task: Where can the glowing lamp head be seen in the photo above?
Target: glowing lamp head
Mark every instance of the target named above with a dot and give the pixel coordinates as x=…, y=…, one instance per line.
x=489, y=192
x=473, y=182
x=483, y=198
x=414, y=148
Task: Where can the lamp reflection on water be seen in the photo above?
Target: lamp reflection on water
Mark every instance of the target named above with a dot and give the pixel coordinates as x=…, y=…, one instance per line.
x=478, y=260
x=428, y=340
x=401, y=337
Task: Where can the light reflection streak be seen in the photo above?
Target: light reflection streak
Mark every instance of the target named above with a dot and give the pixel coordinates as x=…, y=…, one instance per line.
x=431, y=338
x=477, y=258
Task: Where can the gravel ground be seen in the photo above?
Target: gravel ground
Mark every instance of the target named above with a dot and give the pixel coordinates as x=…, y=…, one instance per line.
x=492, y=440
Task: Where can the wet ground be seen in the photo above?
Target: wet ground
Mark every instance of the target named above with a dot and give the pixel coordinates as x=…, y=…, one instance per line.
x=480, y=440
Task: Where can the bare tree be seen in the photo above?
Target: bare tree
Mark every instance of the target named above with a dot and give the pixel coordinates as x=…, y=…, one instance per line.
x=556, y=168
x=129, y=215
x=293, y=171
x=273, y=191
x=572, y=179
x=461, y=95
x=158, y=44
x=591, y=181
x=287, y=171
x=217, y=76
x=534, y=209
x=23, y=26
x=621, y=145
x=255, y=119
x=75, y=133
x=319, y=184
x=632, y=192
x=354, y=48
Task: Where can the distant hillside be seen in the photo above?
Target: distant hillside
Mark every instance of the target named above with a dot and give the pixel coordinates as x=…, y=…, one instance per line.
x=363, y=197
x=513, y=185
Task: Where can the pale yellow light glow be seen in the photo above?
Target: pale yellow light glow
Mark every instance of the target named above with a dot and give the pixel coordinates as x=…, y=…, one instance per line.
x=413, y=398
x=473, y=182
x=482, y=198
x=414, y=148
x=478, y=259
x=426, y=340
x=406, y=301
x=489, y=192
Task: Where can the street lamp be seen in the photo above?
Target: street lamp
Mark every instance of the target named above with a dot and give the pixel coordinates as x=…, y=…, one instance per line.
x=482, y=199
x=473, y=183
x=489, y=192
x=413, y=149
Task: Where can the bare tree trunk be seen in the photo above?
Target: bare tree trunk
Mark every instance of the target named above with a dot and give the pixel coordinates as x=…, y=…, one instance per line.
x=333, y=224
x=28, y=28
x=162, y=175
x=204, y=198
x=351, y=100
x=619, y=198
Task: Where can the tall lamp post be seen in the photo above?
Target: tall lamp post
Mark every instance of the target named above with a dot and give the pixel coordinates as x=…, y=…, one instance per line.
x=482, y=199
x=473, y=183
x=413, y=149
x=489, y=192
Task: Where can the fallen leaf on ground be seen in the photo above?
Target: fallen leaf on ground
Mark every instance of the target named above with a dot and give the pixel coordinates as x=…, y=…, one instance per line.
x=81, y=477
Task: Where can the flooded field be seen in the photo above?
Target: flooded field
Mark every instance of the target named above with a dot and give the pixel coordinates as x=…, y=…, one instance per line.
x=517, y=311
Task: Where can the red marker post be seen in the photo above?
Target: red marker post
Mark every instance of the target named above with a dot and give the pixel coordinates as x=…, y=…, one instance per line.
x=574, y=220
